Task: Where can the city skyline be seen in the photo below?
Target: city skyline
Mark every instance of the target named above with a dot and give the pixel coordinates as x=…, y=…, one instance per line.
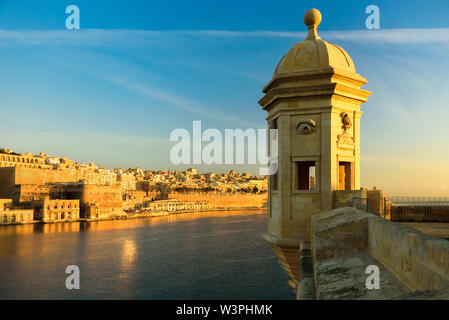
x=113, y=91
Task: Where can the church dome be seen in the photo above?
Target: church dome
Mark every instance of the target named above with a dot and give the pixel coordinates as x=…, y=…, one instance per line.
x=313, y=53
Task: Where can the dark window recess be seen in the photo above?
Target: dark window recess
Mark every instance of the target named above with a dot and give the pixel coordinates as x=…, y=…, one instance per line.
x=306, y=179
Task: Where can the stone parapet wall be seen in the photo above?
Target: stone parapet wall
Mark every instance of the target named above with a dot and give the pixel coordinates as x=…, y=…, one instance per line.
x=338, y=233
x=420, y=261
x=341, y=197
x=345, y=241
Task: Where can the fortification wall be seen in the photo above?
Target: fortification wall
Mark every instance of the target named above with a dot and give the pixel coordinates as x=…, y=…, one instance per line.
x=21, y=175
x=345, y=241
x=227, y=202
x=40, y=176
x=420, y=261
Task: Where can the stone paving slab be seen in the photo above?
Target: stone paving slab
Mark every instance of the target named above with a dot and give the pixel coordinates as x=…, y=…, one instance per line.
x=345, y=278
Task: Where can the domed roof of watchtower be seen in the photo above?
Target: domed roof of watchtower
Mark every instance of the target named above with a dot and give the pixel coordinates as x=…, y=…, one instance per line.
x=313, y=53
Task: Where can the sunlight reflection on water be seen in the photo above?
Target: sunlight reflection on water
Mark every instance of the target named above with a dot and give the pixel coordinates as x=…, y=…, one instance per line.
x=217, y=255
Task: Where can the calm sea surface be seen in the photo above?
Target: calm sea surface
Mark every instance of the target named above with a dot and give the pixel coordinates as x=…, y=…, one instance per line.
x=186, y=256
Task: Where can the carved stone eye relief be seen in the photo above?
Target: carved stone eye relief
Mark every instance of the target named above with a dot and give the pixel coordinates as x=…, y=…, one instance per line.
x=306, y=127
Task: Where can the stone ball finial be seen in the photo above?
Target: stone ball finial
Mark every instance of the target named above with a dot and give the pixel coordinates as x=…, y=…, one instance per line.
x=312, y=17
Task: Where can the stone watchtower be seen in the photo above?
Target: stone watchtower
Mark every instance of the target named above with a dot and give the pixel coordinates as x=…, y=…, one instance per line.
x=314, y=102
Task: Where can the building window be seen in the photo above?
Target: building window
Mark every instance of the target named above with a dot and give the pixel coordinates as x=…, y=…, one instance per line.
x=5, y=218
x=13, y=218
x=306, y=175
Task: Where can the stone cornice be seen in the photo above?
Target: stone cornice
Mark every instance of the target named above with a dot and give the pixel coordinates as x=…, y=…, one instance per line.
x=350, y=92
x=296, y=92
x=333, y=82
x=334, y=73
x=331, y=90
x=305, y=110
x=303, y=75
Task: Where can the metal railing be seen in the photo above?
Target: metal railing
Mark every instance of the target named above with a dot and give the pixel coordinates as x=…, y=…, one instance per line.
x=419, y=201
x=417, y=209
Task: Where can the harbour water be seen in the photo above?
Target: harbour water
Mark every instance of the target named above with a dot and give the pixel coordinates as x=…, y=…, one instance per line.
x=215, y=255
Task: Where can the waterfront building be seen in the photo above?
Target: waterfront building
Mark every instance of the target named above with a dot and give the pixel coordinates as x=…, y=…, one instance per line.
x=11, y=215
x=134, y=199
x=30, y=179
x=177, y=205
x=56, y=210
x=96, y=201
x=29, y=192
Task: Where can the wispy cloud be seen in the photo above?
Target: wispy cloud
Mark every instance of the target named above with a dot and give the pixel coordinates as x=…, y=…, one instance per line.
x=397, y=36
x=104, y=37
x=178, y=101
x=405, y=36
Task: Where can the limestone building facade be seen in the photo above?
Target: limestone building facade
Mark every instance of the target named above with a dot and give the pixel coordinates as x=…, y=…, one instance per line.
x=21, y=160
x=56, y=210
x=11, y=215
x=177, y=205
x=30, y=192
x=96, y=201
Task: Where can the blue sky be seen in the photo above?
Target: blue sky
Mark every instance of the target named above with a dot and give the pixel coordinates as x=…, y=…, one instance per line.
x=113, y=91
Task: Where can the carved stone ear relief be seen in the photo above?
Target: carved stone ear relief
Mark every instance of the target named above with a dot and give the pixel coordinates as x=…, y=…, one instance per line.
x=306, y=127
x=346, y=121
